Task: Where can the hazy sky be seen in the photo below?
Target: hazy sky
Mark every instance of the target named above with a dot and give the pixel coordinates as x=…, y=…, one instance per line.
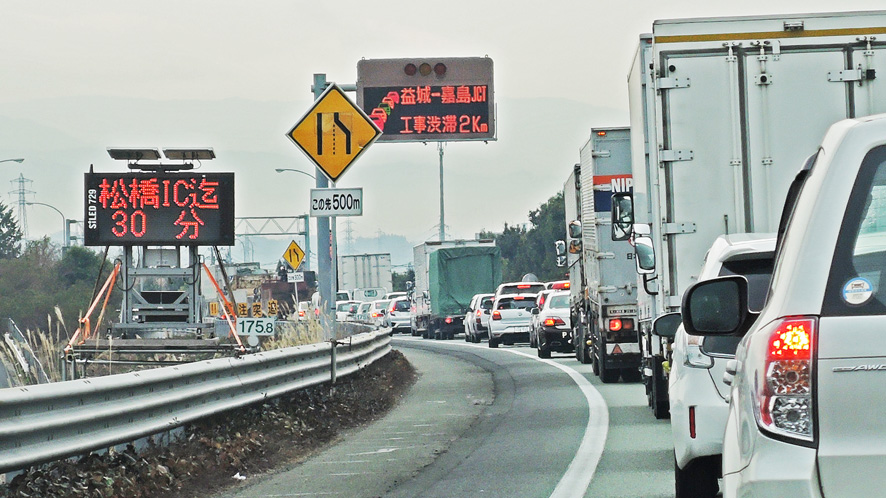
x=560, y=68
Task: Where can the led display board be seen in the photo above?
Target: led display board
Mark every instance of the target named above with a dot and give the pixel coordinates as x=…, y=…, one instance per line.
x=428, y=100
x=159, y=209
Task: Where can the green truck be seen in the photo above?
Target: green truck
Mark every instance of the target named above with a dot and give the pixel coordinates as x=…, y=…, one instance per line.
x=447, y=276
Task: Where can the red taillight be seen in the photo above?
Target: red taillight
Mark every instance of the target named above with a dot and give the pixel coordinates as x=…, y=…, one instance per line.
x=692, y=422
x=496, y=315
x=627, y=324
x=615, y=324
x=523, y=286
x=301, y=313
x=518, y=298
x=448, y=320
x=554, y=321
x=478, y=313
x=784, y=396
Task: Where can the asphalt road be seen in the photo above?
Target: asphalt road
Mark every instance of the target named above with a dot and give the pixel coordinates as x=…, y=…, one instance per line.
x=493, y=422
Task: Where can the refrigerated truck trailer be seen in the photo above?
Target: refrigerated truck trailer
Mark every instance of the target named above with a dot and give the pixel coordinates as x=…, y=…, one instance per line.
x=723, y=112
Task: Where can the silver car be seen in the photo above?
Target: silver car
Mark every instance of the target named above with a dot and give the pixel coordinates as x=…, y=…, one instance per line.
x=806, y=402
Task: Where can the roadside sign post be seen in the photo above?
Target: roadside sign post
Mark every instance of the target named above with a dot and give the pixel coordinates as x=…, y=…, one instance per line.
x=333, y=133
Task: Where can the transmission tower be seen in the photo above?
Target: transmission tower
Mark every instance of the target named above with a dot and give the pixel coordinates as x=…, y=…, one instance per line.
x=349, y=235
x=21, y=192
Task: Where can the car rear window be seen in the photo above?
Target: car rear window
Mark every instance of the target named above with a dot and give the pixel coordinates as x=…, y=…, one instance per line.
x=758, y=272
x=401, y=305
x=856, y=283
x=511, y=303
x=559, y=302
x=522, y=289
x=486, y=304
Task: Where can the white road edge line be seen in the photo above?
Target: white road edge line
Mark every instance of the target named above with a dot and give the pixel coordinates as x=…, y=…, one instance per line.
x=581, y=470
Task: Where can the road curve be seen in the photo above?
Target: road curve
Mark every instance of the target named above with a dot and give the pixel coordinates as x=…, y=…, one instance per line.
x=478, y=422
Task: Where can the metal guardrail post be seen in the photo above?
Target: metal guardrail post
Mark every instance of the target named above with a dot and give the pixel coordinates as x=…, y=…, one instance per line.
x=333, y=362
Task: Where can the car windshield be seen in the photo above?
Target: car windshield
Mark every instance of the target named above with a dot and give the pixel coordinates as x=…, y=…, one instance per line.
x=757, y=271
x=561, y=301
x=516, y=303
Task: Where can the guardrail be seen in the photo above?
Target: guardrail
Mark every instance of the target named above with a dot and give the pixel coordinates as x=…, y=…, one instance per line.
x=52, y=421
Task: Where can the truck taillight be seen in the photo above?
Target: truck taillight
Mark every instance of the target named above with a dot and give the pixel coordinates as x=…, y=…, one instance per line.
x=448, y=320
x=496, y=315
x=554, y=321
x=784, y=397
x=615, y=324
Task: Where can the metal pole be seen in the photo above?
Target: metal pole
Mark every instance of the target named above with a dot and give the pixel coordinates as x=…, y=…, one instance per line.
x=307, y=262
x=442, y=220
x=324, y=242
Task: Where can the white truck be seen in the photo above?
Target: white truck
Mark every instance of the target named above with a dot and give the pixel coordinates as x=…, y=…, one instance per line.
x=366, y=276
x=602, y=276
x=723, y=112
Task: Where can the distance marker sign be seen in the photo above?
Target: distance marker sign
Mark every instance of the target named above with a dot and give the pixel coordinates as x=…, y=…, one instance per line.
x=334, y=132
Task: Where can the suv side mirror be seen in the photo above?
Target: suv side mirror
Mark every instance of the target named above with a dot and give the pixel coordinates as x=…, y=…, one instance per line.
x=622, y=216
x=666, y=325
x=718, y=307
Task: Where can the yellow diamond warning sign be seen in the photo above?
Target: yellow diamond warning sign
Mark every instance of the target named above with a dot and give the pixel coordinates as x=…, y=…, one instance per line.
x=334, y=132
x=294, y=255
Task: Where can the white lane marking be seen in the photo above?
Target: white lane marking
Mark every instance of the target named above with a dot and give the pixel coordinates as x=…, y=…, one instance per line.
x=581, y=470
x=376, y=452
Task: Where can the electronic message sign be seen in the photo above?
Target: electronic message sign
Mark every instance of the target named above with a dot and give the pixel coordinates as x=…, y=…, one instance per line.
x=159, y=209
x=428, y=100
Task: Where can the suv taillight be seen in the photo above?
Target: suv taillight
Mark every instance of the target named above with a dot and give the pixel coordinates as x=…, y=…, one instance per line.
x=784, y=397
x=554, y=321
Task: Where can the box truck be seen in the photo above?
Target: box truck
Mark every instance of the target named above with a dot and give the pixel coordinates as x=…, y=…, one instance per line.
x=602, y=277
x=723, y=113
x=447, y=275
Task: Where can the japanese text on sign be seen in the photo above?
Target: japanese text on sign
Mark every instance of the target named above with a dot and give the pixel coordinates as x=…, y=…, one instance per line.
x=430, y=111
x=177, y=209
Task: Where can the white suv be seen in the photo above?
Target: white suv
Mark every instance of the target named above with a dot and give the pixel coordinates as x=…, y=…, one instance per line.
x=807, y=402
x=696, y=389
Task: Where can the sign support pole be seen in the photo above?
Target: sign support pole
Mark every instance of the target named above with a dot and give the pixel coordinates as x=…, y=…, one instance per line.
x=324, y=241
x=442, y=220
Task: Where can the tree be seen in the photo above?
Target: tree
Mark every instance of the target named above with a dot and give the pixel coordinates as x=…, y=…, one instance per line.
x=399, y=280
x=10, y=234
x=532, y=251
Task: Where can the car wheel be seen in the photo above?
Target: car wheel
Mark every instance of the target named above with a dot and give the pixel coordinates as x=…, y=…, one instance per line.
x=660, y=401
x=493, y=343
x=595, y=365
x=543, y=352
x=533, y=340
x=698, y=479
x=475, y=338
x=609, y=375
